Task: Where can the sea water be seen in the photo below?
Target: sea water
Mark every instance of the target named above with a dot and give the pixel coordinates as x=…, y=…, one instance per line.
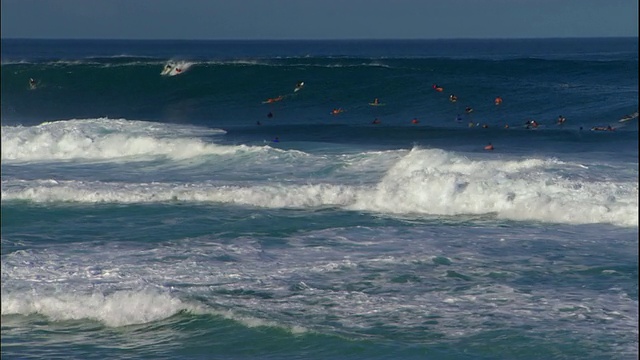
x=149, y=216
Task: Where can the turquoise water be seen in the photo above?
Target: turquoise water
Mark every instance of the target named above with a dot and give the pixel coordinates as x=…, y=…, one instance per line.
x=148, y=216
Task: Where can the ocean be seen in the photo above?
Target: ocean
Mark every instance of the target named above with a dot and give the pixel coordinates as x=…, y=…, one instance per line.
x=184, y=215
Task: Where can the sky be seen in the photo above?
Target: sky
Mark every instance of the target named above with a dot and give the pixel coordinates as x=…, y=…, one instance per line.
x=317, y=19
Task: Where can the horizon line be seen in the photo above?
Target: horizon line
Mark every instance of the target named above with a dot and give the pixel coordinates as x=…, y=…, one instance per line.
x=322, y=39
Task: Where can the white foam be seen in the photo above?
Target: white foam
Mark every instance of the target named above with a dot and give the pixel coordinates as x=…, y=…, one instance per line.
x=103, y=139
x=178, y=67
x=418, y=182
x=121, y=308
x=436, y=182
x=306, y=281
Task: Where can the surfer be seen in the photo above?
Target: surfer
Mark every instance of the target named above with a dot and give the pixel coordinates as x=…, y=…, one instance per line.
x=375, y=121
x=453, y=98
x=32, y=83
x=299, y=86
x=531, y=124
x=561, y=120
x=336, y=111
x=437, y=88
x=603, y=128
x=415, y=121
x=376, y=101
x=468, y=110
x=498, y=100
x=489, y=147
x=270, y=115
x=629, y=117
x=272, y=100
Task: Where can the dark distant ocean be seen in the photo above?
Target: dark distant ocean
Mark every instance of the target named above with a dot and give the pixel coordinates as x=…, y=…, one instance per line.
x=179, y=216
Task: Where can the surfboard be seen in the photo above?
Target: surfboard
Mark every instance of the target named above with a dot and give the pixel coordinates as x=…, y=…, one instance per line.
x=378, y=104
x=629, y=117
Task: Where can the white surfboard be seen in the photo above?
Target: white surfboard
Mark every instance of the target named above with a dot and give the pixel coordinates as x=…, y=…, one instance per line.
x=629, y=117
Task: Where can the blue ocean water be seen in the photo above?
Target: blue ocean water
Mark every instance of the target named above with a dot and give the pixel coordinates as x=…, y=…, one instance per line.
x=151, y=216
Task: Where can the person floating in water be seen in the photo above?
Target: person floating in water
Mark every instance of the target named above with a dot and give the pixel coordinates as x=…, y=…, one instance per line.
x=489, y=147
x=531, y=124
x=437, y=88
x=561, y=120
x=498, y=100
x=270, y=115
x=415, y=121
x=376, y=121
x=458, y=118
x=32, y=83
x=336, y=111
x=276, y=139
x=468, y=109
x=453, y=98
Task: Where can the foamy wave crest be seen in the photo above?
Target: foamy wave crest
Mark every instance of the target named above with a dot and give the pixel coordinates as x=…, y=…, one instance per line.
x=270, y=196
x=436, y=182
x=103, y=139
x=121, y=308
x=176, y=68
x=421, y=182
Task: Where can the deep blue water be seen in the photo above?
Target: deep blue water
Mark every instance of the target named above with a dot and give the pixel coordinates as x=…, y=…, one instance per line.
x=150, y=216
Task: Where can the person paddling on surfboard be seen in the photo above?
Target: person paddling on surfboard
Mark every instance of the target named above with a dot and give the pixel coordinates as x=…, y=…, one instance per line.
x=299, y=86
x=32, y=83
x=272, y=100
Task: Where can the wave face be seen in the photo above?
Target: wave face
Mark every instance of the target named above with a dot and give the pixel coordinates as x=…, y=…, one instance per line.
x=217, y=87
x=180, y=215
